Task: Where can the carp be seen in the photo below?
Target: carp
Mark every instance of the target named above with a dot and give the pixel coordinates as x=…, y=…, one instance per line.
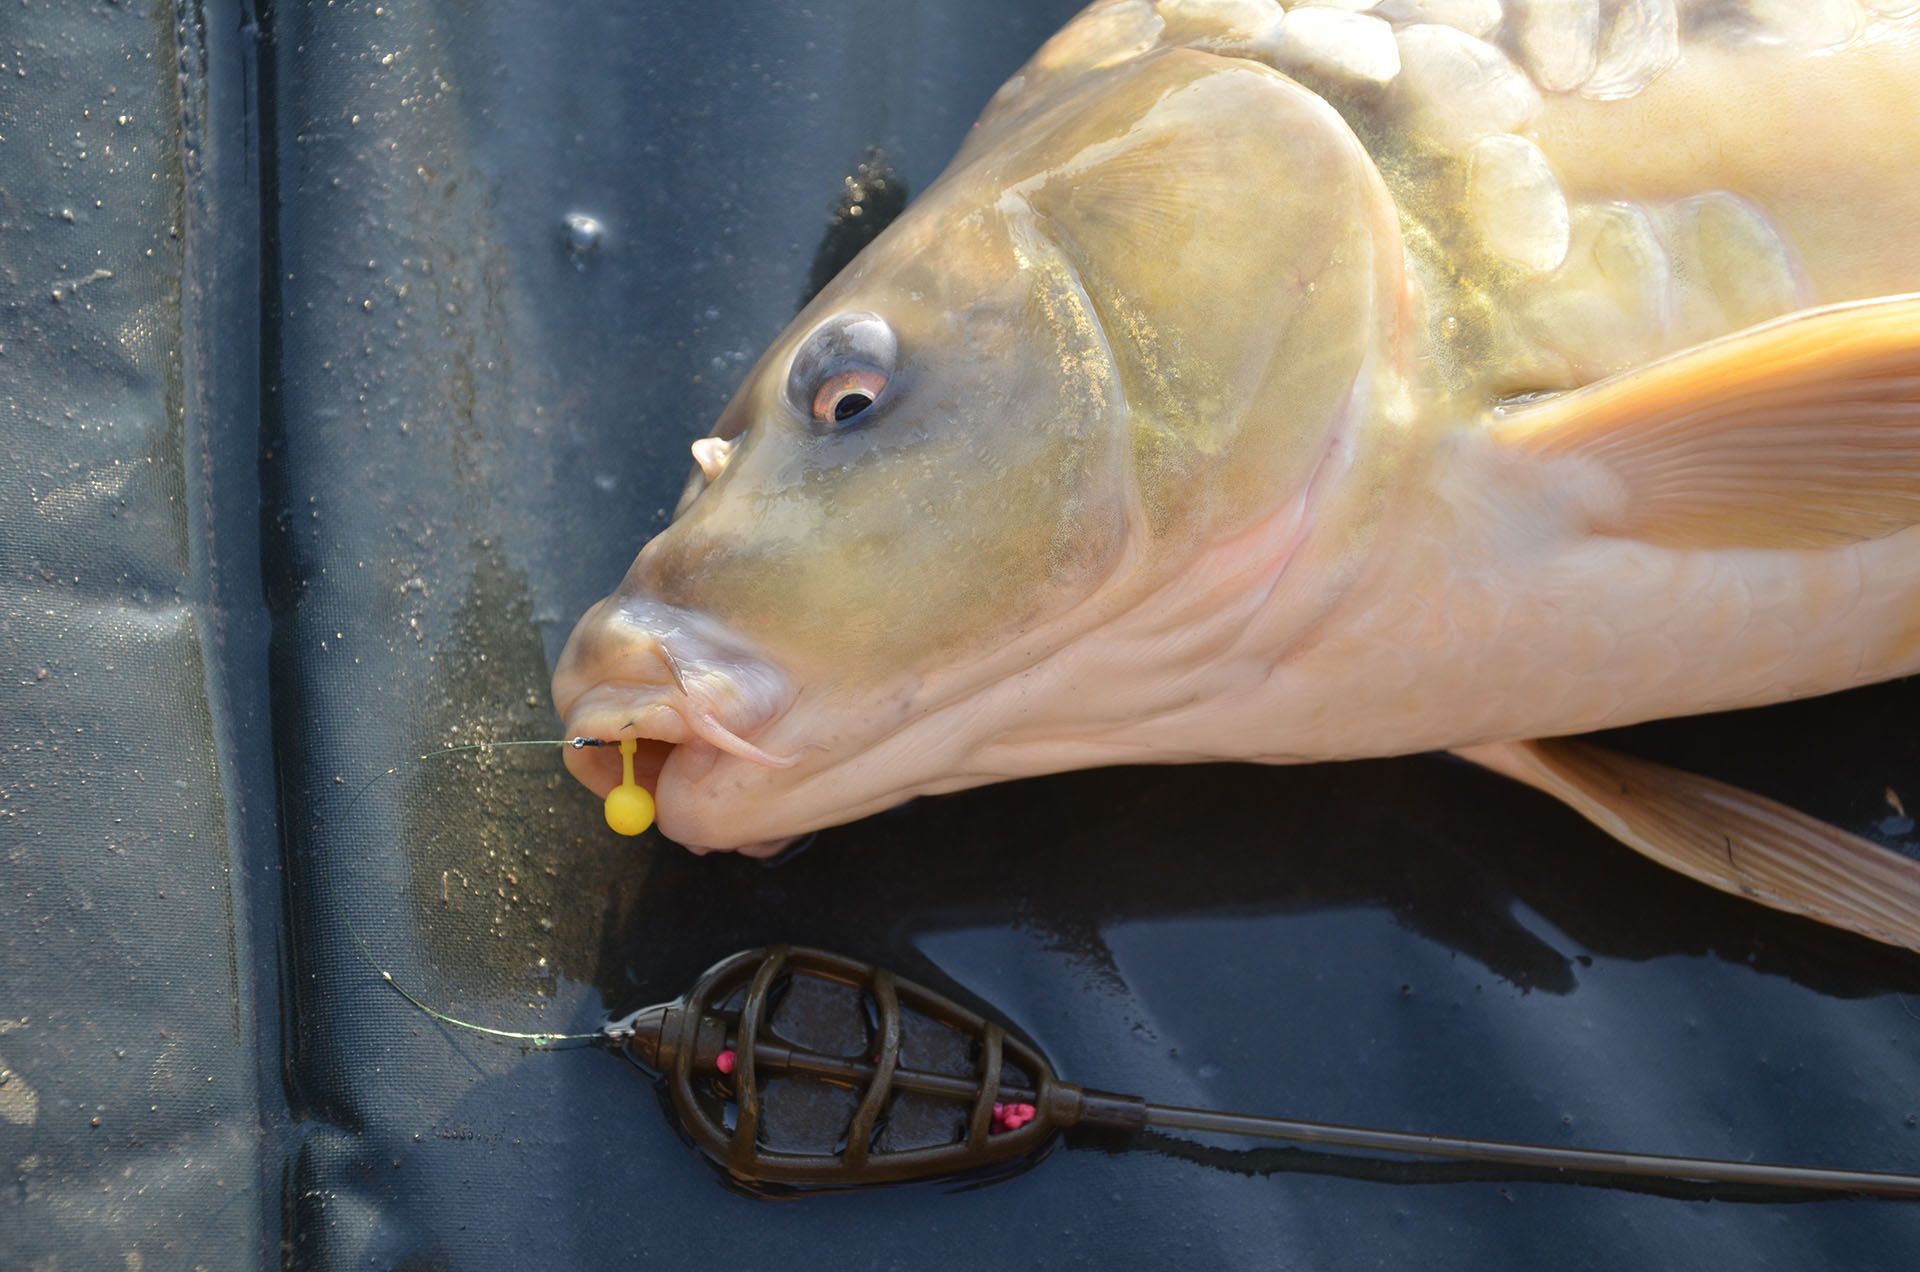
x=1303, y=382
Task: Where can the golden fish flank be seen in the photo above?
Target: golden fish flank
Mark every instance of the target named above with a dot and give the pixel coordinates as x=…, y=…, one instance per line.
x=1303, y=382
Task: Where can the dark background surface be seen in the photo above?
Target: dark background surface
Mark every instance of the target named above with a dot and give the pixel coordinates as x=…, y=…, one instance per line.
x=317, y=475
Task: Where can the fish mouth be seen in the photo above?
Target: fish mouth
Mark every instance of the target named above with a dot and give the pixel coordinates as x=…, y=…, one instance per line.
x=613, y=713
x=688, y=691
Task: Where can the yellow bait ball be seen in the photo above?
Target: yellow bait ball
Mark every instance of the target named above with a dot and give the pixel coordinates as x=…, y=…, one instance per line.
x=629, y=807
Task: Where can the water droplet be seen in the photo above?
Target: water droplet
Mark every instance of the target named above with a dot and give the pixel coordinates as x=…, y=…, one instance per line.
x=583, y=234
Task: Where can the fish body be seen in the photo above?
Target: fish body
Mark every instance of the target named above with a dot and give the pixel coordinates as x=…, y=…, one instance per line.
x=1322, y=381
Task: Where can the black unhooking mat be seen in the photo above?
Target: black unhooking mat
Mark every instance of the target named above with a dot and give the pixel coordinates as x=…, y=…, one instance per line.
x=347, y=351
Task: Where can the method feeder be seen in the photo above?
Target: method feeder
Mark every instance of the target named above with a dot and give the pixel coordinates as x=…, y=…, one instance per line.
x=921, y=1087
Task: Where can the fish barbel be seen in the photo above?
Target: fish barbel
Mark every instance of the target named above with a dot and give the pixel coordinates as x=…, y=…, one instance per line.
x=1318, y=381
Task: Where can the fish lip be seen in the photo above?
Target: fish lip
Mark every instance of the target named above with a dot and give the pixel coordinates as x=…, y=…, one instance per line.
x=673, y=771
x=669, y=761
x=611, y=711
x=617, y=709
x=614, y=710
x=690, y=691
x=633, y=664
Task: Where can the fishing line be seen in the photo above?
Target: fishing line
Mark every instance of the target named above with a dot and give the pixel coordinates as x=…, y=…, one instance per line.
x=542, y=1041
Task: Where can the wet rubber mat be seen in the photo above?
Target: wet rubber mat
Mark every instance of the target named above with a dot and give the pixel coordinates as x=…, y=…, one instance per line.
x=347, y=352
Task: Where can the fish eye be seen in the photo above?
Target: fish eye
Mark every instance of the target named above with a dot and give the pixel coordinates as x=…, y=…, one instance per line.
x=842, y=368
x=847, y=395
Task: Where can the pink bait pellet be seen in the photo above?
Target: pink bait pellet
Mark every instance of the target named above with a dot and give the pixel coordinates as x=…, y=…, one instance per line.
x=1011, y=1117
x=725, y=1061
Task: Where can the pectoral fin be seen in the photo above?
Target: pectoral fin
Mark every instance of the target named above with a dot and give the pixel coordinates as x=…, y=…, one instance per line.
x=1799, y=433
x=1721, y=835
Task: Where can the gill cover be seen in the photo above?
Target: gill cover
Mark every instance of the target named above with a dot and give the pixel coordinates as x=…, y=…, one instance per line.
x=1241, y=258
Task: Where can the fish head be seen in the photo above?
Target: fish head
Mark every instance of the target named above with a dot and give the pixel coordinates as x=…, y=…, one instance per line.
x=1122, y=331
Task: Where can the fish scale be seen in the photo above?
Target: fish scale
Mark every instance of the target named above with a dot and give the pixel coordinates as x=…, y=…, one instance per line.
x=1478, y=89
